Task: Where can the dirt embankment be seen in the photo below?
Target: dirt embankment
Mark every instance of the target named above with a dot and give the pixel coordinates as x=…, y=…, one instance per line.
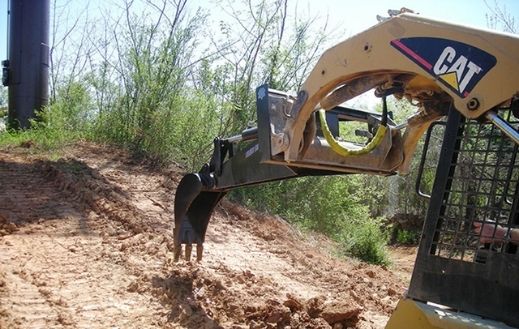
x=86, y=242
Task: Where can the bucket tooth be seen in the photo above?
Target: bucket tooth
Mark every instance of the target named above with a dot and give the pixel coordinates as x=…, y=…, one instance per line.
x=189, y=247
x=199, y=252
x=178, y=251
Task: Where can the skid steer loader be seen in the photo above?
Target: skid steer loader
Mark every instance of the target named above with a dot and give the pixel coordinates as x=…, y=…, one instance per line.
x=465, y=85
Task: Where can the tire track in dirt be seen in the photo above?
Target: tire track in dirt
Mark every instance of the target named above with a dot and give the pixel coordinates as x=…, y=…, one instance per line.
x=57, y=270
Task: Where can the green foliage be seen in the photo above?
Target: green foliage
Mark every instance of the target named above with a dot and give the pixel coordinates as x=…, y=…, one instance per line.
x=347, y=131
x=154, y=112
x=42, y=136
x=40, y=139
x=366, y=241
x=71, y=112
x=407, y=237
x=3, y=108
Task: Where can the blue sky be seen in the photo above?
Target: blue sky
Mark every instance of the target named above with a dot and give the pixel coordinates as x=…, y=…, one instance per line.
x=348, y=15
x=359, y=15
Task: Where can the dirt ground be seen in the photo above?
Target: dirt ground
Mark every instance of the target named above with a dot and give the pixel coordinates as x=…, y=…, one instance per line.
x=86, y=242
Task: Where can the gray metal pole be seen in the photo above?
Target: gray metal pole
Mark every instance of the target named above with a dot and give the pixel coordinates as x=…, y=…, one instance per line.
x=28, y=62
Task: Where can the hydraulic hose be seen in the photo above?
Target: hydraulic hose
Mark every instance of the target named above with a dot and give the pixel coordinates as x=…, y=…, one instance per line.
x=344, y=151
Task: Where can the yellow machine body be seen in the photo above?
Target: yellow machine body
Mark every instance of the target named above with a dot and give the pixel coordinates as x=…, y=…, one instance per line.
x=411, y=314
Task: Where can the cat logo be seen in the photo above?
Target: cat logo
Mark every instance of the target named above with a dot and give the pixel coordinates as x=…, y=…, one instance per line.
x=457, y=65
x=457, y=72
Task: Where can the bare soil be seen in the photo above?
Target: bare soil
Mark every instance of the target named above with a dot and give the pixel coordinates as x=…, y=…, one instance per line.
x=86, y=242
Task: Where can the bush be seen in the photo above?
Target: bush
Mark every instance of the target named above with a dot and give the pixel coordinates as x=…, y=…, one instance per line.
x=407, y=237
x=365, y=240
x=62, y=122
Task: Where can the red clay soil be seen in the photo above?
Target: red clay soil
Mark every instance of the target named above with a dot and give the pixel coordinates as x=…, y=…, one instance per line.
x=86, y=242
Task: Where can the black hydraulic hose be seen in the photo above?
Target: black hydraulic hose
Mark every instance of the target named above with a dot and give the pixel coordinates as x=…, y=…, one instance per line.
x=384, y=111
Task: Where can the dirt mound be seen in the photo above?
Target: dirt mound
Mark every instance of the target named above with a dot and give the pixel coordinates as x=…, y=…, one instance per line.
x=201, y=299
x=86, y=241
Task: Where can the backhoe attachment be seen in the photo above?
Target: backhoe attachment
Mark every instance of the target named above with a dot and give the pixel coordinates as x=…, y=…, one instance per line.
x=436, y=66
x=256, y=156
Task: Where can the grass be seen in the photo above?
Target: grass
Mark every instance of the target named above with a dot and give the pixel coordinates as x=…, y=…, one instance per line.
x=38, y=141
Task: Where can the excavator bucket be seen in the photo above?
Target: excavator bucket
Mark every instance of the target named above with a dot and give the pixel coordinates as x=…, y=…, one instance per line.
x=193, y=209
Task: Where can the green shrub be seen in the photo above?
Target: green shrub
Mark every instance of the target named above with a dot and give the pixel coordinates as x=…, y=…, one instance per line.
x=365, y=240
x=62, y=122
x=407, y=237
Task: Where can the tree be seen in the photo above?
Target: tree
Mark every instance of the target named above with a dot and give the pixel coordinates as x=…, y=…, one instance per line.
x=262, y=42
x=499, y=18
